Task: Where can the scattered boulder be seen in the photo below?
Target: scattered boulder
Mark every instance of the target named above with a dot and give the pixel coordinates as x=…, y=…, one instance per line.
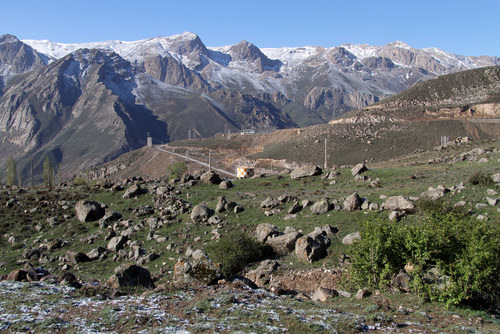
x=362, y=293
x=69, y=279
x=358, y=169
x=204, y=270
x=133, y=191
x=265, y=231
x=117, y=243
x=270, y=203
x=312, y=247
x=96, y=253
x=433, y=194
x=131, y=275
x=88, y=211
x=226, y=184
x=109, y=217
x=352, y=202
x=262, y=275
x=496, y=177
x=201, y=213
x=296, y=207
x=283, y=244
x=221, y=204
x=18, y=275
x=398, y=203
x=31, y=253
x=401, y=281
x=210, y=177
x=351, y=238
x=322, y=207
x=305, y=172
x=76, y=257
x=323, y=294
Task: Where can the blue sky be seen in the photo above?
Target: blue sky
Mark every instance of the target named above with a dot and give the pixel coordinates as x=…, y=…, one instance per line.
x=461, y=27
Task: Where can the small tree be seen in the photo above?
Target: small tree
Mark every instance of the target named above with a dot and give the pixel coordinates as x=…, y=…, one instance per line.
x=11, y=172
x=48, y=172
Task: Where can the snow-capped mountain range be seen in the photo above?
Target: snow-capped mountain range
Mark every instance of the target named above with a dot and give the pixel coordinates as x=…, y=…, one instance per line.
x=55, y=97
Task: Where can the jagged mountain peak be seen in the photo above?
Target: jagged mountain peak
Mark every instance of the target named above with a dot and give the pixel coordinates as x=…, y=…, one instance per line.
x=8, y=38
x=17, y=57
x=245, y=50
x=399, y=44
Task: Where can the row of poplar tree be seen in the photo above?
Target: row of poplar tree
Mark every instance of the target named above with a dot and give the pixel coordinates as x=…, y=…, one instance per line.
x=14, y=178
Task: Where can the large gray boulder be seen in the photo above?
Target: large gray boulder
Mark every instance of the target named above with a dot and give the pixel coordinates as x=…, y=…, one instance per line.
x=433, y=194
x=321, y=207
x=312, y=247
x=117, y=243
x=265, y=231
x=201, y=213
x=358, y=169
x=131, y=275
x=210, y=177
x=283, y=244
x=88, y=211
x=262, y=275
x=351, y=238
x=398, y=203
x=76, y=257
x=270, y=203
x=133, y=191
x=352, y=202
x=189, y=270
x=496, y=177
x=305, y=172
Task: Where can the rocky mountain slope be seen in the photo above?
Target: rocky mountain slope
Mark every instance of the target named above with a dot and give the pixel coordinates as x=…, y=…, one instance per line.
x=83, y=104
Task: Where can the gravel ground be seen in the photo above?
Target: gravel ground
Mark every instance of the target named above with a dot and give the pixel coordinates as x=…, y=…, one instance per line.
x=48, y=308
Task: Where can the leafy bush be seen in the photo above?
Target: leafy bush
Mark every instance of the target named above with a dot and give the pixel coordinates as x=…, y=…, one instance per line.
x=176, y=169
x=80, y=181
x=481, y=178
x=235, y=251
x=455, y=259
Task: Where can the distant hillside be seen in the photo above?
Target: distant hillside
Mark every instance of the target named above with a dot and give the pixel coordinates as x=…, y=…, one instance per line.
x=472, y=93
x=85, y=104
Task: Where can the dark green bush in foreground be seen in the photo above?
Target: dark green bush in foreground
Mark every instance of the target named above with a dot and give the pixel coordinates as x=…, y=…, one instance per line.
x=455, y=259
x=235, y=251
x=481, y=178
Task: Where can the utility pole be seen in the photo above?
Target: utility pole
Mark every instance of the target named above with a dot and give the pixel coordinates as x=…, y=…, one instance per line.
x=326, y=161
x=209, y=159
x=32, y=176
x=189, y=134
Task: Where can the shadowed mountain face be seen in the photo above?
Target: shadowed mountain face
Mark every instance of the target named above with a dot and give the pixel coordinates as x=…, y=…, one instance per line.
x=85, y=104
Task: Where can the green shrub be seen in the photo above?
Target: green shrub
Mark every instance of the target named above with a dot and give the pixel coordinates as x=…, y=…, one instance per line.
x=481, y=178
x=176, y=169
x=455, y=259
x=235, y=251
x=80, y=181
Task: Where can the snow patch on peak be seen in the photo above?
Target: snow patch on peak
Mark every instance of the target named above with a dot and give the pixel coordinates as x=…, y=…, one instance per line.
x=399, y=44
x=362, y=50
